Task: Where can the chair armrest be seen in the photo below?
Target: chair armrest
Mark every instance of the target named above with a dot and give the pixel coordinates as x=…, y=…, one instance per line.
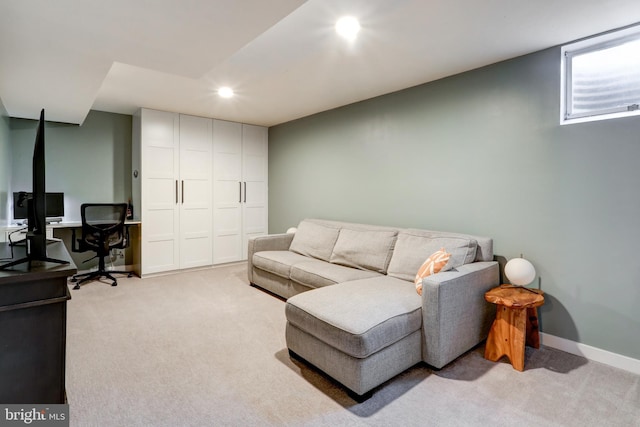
x=269, y=242
x=455, y=315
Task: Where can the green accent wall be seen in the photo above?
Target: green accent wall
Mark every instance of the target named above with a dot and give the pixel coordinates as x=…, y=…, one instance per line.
x=89, y=163
x=483, y=152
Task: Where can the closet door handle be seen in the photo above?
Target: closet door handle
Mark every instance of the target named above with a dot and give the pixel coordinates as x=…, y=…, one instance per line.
x=240, y=193
x=245, y=191
x=176, y=191
x=183, y=191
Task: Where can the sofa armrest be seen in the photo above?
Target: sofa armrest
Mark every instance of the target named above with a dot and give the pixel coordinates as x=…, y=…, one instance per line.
x=455, y=315
x=269, y=242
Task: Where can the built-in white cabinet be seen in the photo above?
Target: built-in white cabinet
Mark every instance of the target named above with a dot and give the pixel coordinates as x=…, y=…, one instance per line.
x=255, y=147
x=195, y=191
x=173, y=168
x=239, y=188
x=156, y=139
x=199, y=189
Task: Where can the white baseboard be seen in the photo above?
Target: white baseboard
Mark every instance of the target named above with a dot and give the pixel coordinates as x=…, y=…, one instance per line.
x=107, y=268
x=591, y=353
x=186, y=270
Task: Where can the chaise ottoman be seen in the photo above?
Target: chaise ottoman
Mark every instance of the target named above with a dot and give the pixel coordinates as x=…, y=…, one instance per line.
x=362, y=332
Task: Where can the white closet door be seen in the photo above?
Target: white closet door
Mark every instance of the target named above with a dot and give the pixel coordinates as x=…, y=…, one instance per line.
x=227, y=192
x=195, y=191
x=159, y=179
x=254, y=175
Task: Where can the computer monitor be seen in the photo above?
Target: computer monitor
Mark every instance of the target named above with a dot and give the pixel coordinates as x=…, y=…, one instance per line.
x=54, y=205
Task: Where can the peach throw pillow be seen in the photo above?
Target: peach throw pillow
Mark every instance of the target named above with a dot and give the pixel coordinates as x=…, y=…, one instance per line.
x=432, y=265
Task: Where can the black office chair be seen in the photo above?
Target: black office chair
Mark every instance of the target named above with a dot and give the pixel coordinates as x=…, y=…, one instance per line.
x=103, y=229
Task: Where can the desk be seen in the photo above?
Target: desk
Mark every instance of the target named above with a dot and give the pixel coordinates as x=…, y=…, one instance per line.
x=51, y=226
x=33, y=315
x=62, y=231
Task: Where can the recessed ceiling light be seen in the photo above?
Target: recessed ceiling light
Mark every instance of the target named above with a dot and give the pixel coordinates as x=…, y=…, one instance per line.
x=225, y=92
x=347, y=27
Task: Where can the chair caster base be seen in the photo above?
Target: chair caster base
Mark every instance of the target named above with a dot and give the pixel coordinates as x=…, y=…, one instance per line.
x=80, y=279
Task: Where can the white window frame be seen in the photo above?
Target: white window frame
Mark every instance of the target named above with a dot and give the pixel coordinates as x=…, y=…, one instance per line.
x=604, y=41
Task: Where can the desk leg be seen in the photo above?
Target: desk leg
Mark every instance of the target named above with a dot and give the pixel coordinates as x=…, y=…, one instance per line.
x=134, y=244
x=507, y=336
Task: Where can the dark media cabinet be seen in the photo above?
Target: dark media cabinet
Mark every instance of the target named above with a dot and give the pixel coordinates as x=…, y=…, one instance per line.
x=33, y=328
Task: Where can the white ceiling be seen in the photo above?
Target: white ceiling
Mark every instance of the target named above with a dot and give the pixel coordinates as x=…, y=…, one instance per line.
x=282, y=57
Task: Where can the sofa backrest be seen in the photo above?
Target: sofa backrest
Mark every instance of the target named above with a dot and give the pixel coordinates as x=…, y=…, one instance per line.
x=484, y=250
x=366, y=249
x=413, y=247
x=389, y=250
x=362, y=246
x=315, y=239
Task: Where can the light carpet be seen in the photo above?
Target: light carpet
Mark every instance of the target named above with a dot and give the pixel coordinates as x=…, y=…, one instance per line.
x=203, y=348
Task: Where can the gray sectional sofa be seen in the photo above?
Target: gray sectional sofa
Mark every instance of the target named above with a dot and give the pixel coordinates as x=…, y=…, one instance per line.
x=352, y=307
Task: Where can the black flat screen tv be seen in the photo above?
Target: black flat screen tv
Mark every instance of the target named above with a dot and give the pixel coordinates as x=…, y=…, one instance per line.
x=37, y=207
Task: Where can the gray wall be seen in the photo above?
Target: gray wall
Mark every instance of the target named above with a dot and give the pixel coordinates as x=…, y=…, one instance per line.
x=483, y=153
x=5, y=163
x=89, y=163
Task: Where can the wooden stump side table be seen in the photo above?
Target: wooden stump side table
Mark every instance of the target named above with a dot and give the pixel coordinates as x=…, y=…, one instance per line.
x=516, y=323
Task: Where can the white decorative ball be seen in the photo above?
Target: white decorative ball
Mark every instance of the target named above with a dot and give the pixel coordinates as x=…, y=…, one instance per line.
x=292, y=230
x=519, y=271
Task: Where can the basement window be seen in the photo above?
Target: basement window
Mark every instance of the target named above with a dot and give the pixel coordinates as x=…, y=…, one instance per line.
x=601, y=77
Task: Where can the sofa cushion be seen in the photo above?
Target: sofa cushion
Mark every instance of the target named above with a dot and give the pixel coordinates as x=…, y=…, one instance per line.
x=277, y=262
x=314, y=240
x=315, y=273
x=364, y=249
x=414, y=246
x=434, y=264
x=359, y=317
